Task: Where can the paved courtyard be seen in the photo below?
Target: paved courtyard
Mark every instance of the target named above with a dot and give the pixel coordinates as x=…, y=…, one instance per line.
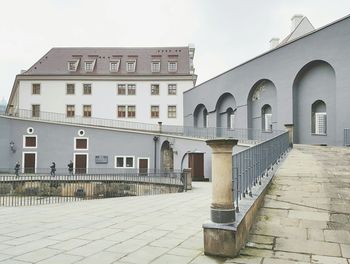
x=305, y=219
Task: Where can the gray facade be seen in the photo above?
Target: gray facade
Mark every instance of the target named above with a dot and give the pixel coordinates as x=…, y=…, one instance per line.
x=56, y=142
x=289, y=79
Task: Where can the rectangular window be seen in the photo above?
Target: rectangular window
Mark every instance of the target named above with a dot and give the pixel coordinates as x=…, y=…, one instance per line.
x=121, y=89
x=121, y=111
x=172, y=89
x=81, y=143
x=129, y=162
x=130, y=66
x=36, y=110
x=321, y=123
x=70, y=88
x=131, y=89
x=30, y=142
x=154, y=89
x=119, y=161
x=154, y=111
x=155, y=66
x=73, y=65
x=268, y=122
x=87, y=88
x=124, y=162
x=131, y=111
x=232, y=121
x=171, y=111
x=89, y=66
x=172, y=66
x=70, y=110
x=36, y=88
x=114, y=66
x=87, y=110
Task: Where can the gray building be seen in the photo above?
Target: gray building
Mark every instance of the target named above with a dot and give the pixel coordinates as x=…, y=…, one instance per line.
x=302, y=83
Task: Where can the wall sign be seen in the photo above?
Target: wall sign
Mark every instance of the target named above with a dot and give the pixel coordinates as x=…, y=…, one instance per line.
x=101, y=159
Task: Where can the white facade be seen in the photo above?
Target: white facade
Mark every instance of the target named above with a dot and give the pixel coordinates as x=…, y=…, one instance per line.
x=96, y=74
x=104, y=98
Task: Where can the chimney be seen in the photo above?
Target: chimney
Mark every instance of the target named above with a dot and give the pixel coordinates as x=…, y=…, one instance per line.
x=274, y=43
x=296, y=19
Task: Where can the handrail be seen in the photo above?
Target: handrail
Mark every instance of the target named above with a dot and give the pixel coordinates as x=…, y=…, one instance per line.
x=245, y=135
x=252, y=164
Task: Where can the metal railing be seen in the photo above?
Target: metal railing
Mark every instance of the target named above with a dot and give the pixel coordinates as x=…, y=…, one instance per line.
x=250, y=165
x=242, y=134
x=346, y=137
x=35, y=189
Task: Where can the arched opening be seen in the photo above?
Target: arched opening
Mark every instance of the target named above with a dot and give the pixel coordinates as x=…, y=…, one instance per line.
x=262, y=100
x=200, y=116
x=225, y=103
x=266, y=118
x=319, y=118
x=314, y=90
x=167, y=156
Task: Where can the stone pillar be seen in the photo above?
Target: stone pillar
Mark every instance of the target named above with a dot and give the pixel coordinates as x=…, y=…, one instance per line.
x=219, y=238
x=188, y=178
x=289, y=127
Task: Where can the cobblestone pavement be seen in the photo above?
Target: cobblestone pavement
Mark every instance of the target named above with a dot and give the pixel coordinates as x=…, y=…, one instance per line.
x=305, y=218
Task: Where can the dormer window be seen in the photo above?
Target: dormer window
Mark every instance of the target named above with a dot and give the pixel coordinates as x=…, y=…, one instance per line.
x=89, y=66
x=114, y=66
x=131, y=66
x=73, y=65
x=155, y=66
x=172, y=66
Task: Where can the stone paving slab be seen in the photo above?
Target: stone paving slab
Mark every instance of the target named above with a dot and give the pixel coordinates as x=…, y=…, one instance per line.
x=305, y=217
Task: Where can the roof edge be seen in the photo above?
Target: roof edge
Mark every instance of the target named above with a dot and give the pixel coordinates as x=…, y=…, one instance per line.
x=272, y=50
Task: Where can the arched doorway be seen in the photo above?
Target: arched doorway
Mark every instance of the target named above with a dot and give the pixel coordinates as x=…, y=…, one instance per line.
x=167, y=156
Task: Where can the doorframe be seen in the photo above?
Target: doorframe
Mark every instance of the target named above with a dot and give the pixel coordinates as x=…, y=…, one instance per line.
x=87, y=161
x=36, y=159
x=138, y=160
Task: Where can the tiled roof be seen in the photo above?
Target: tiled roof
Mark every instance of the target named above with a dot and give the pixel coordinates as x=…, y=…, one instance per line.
x=55, y=62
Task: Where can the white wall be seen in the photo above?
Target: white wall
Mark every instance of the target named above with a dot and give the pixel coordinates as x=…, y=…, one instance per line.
x=104, y=98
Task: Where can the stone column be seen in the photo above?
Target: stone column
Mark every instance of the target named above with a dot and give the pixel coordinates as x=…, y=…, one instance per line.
x=219, y=238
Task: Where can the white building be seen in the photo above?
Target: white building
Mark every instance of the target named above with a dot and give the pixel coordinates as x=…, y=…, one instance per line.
x=132, y=84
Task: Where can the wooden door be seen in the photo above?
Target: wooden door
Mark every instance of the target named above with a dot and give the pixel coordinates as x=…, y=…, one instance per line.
x=143, y=166
x=29, y=163
x=196, y=163
x=80, y=163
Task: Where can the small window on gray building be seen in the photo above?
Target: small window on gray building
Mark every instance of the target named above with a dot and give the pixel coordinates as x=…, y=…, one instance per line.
x=81, y=143
x=319, y=118
x=266, y=118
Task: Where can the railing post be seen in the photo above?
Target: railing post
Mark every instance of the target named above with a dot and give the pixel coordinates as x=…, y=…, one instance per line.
x=219, y=238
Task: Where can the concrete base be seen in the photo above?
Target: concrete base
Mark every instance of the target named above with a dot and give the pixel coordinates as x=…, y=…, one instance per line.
x=214, y=235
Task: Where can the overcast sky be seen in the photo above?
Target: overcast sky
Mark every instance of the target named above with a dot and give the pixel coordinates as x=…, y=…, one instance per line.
x=224, y=32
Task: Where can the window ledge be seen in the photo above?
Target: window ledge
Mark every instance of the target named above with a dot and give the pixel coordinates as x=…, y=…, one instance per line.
x=314, y=134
